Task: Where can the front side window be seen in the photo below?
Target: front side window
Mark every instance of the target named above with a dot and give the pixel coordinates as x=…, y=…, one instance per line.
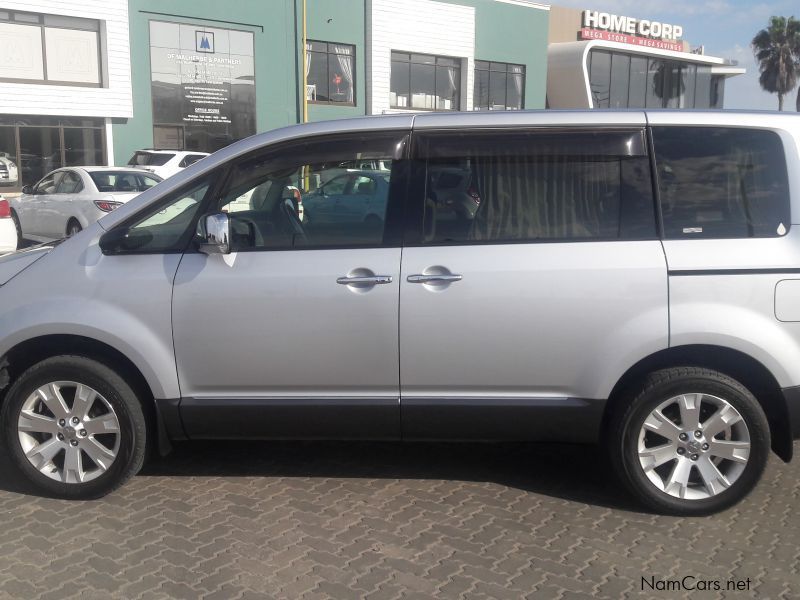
x=721, y=182
x=169, y=225
x=70, y=183
x=312, y=195
x=512, y=187
x=499, y=86
x=330, y=72
x=49, y=184
x=425, y=82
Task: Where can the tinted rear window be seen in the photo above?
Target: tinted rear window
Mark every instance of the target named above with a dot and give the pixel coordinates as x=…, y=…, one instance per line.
x=721, y=182
x=150, y=159
x=502, y=187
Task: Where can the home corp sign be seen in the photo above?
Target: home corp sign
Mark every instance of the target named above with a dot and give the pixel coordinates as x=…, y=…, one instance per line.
x=627, y=30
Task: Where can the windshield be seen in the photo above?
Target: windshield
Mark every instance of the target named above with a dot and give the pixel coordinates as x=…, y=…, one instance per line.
x=144, y=159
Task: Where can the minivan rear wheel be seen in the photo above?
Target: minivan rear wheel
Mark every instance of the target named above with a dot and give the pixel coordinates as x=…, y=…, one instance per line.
x=74, y=427
x=693, y=441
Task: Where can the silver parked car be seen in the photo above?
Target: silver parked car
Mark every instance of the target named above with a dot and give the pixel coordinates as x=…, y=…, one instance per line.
x=627, y=278
x=68, y=200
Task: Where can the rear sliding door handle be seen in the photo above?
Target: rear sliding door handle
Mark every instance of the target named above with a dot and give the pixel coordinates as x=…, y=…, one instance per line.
x=369, y=280
x=433, y=278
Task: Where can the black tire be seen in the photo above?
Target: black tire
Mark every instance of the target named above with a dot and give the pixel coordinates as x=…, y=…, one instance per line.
x=111, y=386
x=73, y=228
x=660, y=386
x=18, y=227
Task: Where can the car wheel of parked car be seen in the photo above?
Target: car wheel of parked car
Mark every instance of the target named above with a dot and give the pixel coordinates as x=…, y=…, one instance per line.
x=73, y=227
x=18, y=227
x=74, y=427
x=692, y=442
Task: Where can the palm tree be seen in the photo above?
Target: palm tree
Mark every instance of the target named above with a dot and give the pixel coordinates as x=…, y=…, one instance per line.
x=776, y=49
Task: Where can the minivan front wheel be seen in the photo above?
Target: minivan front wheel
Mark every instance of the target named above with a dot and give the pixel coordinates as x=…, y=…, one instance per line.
x=693, y=441
x=74, y=427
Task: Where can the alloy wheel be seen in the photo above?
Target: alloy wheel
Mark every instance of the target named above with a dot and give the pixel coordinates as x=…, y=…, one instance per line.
x=69, y=432
x=694, y=446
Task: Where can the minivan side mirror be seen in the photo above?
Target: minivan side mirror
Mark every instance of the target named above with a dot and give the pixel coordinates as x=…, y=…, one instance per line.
x=26, y=189
x=214, y=233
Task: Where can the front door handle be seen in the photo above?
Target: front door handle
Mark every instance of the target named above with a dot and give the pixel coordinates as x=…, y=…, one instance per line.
x=368, y=280
x=443, y=278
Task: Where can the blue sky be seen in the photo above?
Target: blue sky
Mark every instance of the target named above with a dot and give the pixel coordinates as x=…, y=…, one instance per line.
x=724, y=27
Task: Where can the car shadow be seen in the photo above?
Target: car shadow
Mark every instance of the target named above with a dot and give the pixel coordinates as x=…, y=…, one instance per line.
x=576, y=473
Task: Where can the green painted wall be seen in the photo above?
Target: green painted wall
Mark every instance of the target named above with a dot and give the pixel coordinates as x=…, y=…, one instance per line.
x=273, y=25
x=340, y=21
x=505, y=33
x=513, y=34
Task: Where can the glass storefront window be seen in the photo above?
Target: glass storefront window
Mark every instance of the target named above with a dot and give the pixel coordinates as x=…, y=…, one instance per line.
x=83, y=147
x=655, y=93
x=702, y=95
x=330, y=72
x=637, y=88
x=9, y=165
x=39, y=152
x=32, y=146
x=498, y=86
x=425, y=82
x=622, y=80
x=202, y=85
x=600, y=78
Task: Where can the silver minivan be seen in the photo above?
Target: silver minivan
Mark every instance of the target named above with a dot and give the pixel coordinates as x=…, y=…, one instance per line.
x=625, y=278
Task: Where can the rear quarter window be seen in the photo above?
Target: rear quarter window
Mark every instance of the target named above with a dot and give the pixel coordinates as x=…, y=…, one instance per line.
x=721, y=182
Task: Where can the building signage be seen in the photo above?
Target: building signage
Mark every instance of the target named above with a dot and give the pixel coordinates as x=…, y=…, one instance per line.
x=204, y=41
x=627, y=30
x=202, y=84
x=623, y=38
x=206, y=86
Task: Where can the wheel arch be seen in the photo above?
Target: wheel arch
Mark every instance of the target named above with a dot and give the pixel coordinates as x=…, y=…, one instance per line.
x=737, y=365
x=75, y=220
x=27, y=353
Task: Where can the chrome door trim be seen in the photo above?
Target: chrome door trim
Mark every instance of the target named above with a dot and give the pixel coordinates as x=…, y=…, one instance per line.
x=433, y=278
x=372, y=280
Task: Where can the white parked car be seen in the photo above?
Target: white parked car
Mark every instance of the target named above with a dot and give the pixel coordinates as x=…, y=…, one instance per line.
x=8, y=169
x=164, y=163
x=70, y=199
x=8, y=232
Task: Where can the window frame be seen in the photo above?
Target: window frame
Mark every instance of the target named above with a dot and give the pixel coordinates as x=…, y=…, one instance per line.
x=395, y=204
x=480, y=68
x=328, y=55
x=220, y=179
x=41, y=21
x=436, y=57
x=415, y=213
x=70, y=173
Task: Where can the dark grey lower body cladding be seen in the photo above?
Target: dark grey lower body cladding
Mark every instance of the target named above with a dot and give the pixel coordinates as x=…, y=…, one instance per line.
x=511, y=419
x=292, y=418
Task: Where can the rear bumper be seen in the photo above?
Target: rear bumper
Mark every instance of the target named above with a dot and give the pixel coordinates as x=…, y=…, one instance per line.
x=792, y=398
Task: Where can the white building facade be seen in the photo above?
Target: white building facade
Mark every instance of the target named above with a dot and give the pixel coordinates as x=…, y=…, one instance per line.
x=65, y=73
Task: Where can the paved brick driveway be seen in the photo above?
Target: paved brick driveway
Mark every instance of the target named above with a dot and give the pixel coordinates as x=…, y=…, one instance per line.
x=261, y=520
